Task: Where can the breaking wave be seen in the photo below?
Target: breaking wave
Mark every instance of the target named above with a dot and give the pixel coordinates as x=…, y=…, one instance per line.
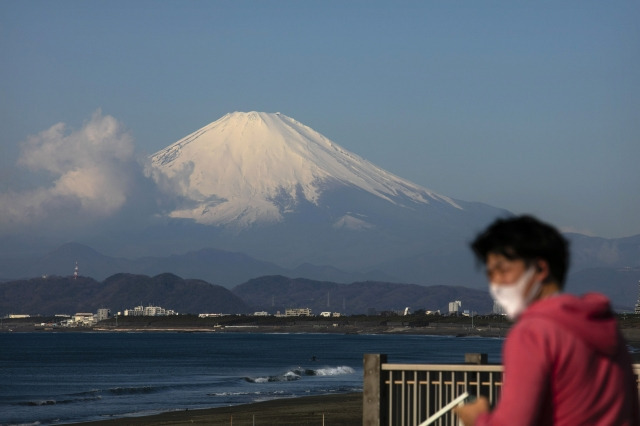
x=335, y=371
x=299, y=372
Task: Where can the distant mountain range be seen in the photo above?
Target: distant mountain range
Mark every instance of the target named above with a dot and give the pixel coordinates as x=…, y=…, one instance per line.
x=55, y=294
x=66, y=295
x=591, y=271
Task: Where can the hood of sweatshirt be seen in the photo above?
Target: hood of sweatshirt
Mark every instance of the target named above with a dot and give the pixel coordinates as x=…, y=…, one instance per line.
x=589, y=316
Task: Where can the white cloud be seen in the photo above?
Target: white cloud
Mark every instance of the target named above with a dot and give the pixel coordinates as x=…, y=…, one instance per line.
x=89, y=175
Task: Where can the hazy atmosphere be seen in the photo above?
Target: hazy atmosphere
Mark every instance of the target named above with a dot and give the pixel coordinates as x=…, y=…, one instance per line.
x=528, y=107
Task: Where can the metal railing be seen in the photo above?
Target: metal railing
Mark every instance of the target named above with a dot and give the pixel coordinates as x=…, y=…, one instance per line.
x=408, y=394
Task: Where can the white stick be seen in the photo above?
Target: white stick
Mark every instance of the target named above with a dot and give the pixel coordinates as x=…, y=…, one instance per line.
x=444, y=409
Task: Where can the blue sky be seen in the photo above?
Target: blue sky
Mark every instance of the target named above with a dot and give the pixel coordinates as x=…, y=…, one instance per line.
x=529, y=106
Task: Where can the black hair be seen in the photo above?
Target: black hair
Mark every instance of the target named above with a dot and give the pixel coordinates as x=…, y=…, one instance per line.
x=526, y=238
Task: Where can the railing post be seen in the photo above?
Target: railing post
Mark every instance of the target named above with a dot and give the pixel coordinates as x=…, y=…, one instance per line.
x=374, y=404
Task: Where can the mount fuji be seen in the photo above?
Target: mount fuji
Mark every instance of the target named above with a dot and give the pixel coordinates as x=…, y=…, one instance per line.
x=267, y=185
x=255, y=167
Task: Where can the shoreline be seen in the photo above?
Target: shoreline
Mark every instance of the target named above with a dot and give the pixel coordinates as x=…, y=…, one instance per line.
x=631, y=334
x=335, y=409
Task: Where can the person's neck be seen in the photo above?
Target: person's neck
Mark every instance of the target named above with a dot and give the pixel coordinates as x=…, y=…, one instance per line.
x=549, y=289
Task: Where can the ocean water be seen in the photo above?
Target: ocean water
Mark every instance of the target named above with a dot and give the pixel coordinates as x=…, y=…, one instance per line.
x=57, y=378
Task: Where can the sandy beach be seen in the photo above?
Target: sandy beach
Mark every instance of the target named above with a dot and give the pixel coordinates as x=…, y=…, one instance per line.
x=329, y=410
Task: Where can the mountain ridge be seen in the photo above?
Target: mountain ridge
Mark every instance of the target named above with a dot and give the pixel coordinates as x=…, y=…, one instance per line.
x=618, y=279
x=256, y=167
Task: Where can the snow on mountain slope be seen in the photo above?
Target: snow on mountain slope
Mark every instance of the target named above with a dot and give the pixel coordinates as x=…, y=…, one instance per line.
x=255, y=167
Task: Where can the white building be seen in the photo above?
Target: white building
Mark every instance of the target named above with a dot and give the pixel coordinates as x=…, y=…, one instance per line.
x=103, y=314
x=297, y=312
x=138, y=311
x=84, y=319
x=154, y=311
x=148, y=311
x=454, y=307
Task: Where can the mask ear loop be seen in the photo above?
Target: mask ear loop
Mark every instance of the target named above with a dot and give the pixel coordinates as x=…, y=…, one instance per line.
x=536, y=288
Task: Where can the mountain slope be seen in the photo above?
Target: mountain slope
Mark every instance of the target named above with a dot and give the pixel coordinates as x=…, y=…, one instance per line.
x=65, y=295
x=257, y=167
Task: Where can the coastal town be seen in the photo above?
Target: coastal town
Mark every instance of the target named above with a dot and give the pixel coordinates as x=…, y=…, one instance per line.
x=88, y=319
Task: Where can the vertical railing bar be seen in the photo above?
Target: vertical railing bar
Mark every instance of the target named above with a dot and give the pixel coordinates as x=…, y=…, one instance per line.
x=453, y=394
x=422, y=390
x=419, y=399
x=402, y=398
x=390, y=402
x=429, y=393
x=416, y=387
x=491, y=386
x=440, y=396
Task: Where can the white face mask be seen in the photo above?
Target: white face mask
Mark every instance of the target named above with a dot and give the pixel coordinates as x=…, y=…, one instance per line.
x=511, y=296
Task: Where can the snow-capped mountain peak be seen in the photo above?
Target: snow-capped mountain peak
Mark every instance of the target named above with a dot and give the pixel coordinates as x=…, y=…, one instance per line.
x=256, y=167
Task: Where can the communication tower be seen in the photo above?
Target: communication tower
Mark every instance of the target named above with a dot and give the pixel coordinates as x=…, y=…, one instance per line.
x=75, y=272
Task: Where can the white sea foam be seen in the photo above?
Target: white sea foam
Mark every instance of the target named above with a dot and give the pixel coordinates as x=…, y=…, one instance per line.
x=300, y=372
x=335, y=371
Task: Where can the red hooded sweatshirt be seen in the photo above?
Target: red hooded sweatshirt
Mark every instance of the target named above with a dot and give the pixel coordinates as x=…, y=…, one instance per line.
x=566, y=363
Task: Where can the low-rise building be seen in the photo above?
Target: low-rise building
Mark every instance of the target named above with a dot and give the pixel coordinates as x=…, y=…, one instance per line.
x=297, y=312
x=84, y=319
x=148, y=311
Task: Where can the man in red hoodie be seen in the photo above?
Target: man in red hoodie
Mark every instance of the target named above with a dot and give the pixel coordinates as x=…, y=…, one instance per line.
x=565, y=361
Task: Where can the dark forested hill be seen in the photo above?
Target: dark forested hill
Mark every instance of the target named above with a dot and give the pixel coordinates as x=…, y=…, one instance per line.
x=66, y=295
x=276, y=293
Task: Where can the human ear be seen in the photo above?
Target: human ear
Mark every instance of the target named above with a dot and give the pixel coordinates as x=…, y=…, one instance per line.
x=542, y=270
